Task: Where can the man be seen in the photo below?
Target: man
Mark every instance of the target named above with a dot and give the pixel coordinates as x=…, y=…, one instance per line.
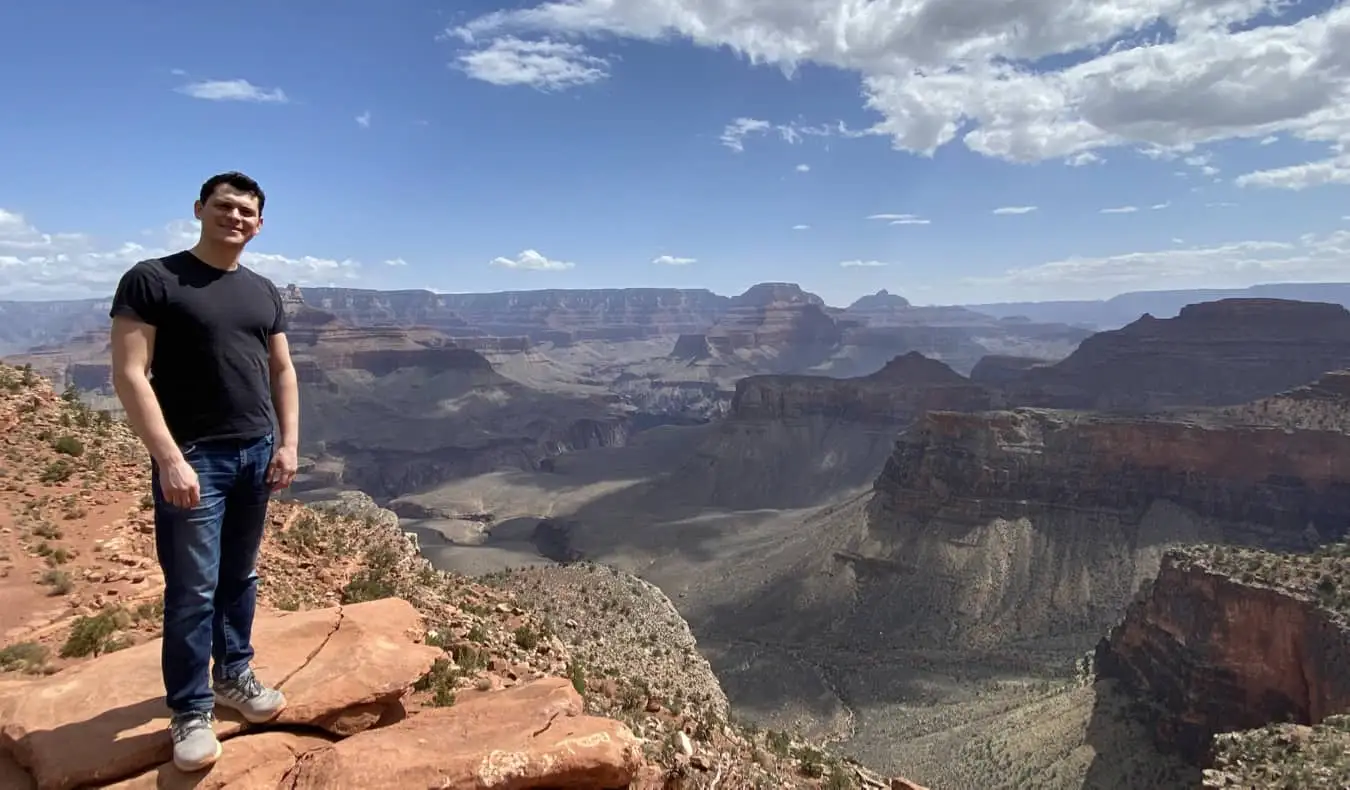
x=203, y=369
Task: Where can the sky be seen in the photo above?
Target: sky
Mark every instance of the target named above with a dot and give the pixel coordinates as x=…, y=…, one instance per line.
x=951, y=151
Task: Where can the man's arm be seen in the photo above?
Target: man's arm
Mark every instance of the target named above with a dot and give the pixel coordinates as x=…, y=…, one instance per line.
x=133, y=344
x=285, y=390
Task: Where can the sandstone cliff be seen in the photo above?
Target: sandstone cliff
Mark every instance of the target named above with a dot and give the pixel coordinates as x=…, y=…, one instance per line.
x=1213, y=353
x=1231, y=639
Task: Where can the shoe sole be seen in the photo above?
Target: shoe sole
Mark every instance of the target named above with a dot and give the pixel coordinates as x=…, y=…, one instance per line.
x=200, y=766
x=250, y=719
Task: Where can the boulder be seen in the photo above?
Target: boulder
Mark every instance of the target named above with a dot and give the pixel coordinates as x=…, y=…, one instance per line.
x=529, y=736
x=342, y=669
x=256, y=761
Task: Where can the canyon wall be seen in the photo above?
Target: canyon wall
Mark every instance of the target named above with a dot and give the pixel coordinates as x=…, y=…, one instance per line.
x=1211, y=354
x=1230, y=639
x=1035, y=523
x=906, y=386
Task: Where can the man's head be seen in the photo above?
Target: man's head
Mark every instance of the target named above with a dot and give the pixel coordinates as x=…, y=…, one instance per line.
x=230, y=209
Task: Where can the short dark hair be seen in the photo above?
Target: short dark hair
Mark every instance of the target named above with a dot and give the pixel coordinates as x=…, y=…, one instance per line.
x=236, y=180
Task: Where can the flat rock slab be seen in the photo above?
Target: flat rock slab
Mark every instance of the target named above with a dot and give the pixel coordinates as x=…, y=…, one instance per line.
x=337, y=666
x=530, y=736
x=251, y=760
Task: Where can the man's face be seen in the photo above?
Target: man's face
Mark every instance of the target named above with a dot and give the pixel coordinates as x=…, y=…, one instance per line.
x=229, y=216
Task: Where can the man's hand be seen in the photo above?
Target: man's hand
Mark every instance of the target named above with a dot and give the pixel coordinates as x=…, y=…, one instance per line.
x=281, y=471
x=178, y=481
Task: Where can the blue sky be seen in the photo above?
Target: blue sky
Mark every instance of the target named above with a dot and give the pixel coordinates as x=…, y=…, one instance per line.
x=485, y=146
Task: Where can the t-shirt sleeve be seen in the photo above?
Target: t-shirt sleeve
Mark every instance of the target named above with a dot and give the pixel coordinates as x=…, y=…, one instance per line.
x=140, y=295
x=279, y=324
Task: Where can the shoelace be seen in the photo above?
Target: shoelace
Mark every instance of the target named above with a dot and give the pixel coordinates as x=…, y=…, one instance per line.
x=248, y=684
x=185, y=725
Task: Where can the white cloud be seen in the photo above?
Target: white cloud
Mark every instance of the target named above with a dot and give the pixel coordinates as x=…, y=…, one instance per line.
x=1160, y=206
x=363, y=120
x=1335, y=170
x=803, y=168
x=1014, y=210
x=671, y=260
x=733, y=136
x=395, y=262
x=863, y=264
x=40, y=265
x=1310, y=258
x=1120, y=210
x=546, y=64
x=937, y=72
x=233, y=90
x=808, y=227
x=532, y=260
x=900, y=219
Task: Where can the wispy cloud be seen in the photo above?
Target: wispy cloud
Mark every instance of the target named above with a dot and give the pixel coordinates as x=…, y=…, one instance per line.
x=532, y=260
x=1015, y=209
x=363, y=120
x=233, y=90
x=1120, y=210
x=803, y=168
x=863, y=264
x=545, y=65
x=671, y=260
x=808, y=227
x=900, y=219
x=395, y=262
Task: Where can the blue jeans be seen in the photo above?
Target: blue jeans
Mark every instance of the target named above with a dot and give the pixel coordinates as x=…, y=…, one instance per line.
x=208, y=554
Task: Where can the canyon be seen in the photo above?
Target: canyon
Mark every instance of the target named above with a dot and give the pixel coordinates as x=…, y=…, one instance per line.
x=968, y=564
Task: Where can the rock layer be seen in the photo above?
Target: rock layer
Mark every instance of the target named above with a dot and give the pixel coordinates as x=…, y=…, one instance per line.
x=340, y=669
x=1034, y=523
x=1212, y=354
x=1217, y=654
x=907, y=386
x=531, y=736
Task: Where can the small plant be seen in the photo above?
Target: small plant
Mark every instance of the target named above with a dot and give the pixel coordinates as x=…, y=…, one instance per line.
x=526, y=638
x=57, y=471
x=59, y=581
x=69, y=445
x=440, y=681
x=576, y=672
x=90, y=636
x=23, y=656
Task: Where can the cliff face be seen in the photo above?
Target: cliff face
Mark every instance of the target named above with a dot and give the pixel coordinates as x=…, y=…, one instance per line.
x=1222, y=646
x=774, y=315
x=393, y=409
x=1033, y=523
x=1214, y=353
x=1013, y=464
x=552, y=314
x=908, y=385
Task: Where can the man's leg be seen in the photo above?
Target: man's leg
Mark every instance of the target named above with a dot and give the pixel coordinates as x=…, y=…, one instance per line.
x=187, y=542
x=236, y=595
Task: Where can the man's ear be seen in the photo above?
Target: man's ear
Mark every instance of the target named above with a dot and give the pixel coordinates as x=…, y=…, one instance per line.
x=197, y=209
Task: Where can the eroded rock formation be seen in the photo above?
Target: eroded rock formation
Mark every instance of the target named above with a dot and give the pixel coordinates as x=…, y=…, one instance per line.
x=1228, y=640
x=1212, y=354
x=909, y=385
x=1033, y=522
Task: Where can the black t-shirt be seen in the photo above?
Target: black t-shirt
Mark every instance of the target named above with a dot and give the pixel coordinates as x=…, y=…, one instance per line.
x=209, y=370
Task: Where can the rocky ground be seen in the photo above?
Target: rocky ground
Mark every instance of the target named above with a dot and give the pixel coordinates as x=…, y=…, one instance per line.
x=1283, y=757
x=380, y=655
